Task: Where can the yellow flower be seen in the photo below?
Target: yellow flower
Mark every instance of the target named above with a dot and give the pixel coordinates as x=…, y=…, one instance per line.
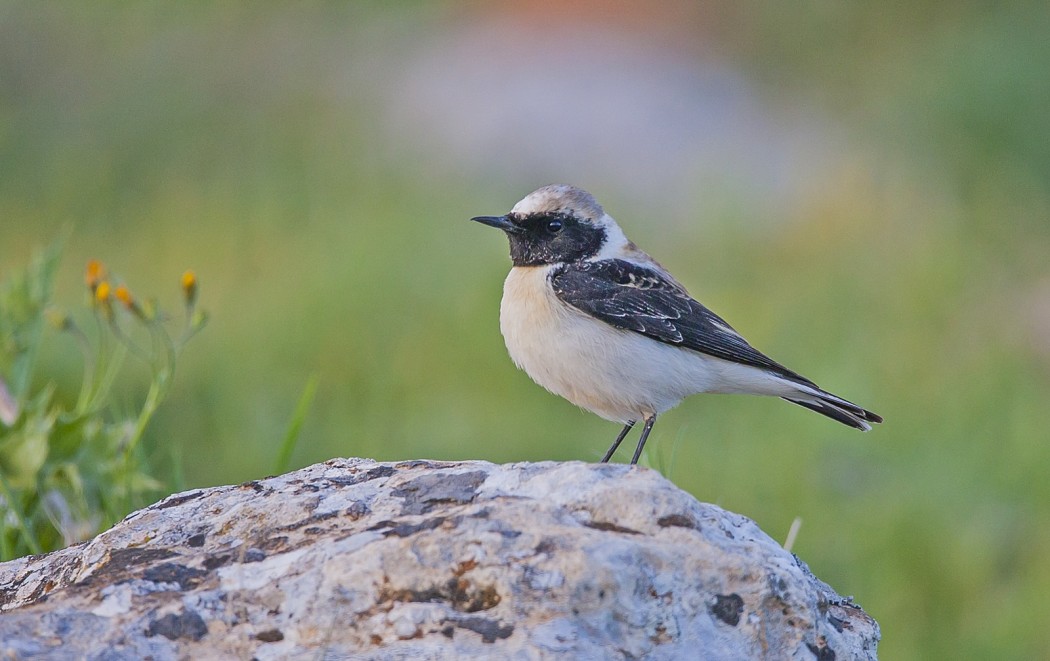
x=102, y=291
x=124, y=296
x=189, y=287
x=94, y=273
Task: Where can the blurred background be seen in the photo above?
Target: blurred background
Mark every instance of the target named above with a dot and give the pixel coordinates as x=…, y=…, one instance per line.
x=862, y=189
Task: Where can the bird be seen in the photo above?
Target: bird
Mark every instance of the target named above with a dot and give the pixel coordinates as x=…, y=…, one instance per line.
x=591, y=317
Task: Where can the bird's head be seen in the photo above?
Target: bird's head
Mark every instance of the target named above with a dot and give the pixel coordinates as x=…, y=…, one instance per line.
x=558, y=224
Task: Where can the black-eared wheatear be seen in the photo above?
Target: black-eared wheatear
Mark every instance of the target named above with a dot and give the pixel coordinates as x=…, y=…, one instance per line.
x=594, y=319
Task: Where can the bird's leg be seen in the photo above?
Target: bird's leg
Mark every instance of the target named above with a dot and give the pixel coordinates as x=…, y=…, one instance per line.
x=645, y=435
x=616, y=443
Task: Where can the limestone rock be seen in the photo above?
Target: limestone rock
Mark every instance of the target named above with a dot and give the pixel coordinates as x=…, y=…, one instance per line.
x=353, y=559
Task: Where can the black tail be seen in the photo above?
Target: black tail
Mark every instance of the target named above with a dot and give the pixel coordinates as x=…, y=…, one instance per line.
x=839, y=409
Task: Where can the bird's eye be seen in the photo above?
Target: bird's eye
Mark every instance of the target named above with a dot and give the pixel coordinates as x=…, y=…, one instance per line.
x=554, y=226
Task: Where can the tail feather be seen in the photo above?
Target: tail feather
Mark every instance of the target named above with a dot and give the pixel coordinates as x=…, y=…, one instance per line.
x=838, y=409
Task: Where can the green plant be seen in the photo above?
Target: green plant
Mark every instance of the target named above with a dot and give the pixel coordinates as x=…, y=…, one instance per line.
x=67, y=471
x=295, y=425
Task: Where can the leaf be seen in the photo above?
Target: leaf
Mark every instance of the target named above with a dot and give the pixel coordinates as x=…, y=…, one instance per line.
x=23, y=298
x=24, y=449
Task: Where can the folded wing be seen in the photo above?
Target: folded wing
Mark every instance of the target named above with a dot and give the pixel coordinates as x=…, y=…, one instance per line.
x=633, y=297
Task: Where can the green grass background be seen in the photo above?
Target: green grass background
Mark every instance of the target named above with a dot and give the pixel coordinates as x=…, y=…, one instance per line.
x=914, y=280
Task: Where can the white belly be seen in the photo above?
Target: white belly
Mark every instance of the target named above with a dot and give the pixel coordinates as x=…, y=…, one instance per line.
x=619, y=375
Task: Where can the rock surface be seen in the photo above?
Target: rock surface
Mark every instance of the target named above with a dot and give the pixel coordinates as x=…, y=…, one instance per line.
x=353, y=559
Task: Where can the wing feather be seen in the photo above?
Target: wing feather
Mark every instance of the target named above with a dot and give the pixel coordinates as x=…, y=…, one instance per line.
x=637, y=298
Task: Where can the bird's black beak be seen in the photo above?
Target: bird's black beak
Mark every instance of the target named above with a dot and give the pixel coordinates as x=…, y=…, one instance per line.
x=501, y=222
